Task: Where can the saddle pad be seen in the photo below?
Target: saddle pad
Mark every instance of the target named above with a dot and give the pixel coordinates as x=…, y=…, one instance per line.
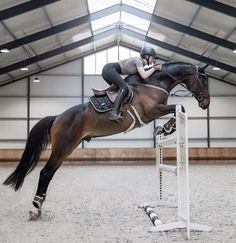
x=101, y=103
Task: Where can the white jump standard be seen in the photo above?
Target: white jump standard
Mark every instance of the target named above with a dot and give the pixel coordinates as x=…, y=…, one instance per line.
x=181, y=170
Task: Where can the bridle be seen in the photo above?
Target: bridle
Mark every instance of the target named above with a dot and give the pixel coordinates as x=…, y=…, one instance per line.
x=196, y=92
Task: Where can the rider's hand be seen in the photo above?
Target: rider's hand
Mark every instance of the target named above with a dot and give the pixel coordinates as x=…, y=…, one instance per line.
x=158, y=67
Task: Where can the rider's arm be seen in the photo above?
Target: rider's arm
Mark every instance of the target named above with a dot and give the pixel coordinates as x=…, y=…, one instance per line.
x=145, y=74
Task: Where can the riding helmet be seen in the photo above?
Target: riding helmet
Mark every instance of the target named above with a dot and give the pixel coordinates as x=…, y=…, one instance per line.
x=147, y=51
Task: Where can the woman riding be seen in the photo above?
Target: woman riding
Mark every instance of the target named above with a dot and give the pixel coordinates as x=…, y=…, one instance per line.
x=111, y=73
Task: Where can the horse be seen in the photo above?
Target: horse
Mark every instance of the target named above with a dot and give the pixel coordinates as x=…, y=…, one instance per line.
x=83, y=122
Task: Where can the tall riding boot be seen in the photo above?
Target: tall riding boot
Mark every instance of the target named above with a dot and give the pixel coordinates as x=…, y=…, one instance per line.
x=115, y=112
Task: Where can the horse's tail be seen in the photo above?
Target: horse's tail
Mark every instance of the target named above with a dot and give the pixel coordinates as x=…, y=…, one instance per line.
x=37, y=141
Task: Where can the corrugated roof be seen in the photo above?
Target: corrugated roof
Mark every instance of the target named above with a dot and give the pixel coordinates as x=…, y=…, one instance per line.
x=40, y=34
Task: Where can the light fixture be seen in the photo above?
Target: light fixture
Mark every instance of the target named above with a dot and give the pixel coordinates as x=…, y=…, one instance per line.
x=216, y=68
x=24, y=68
x=36, y=80
x=4, y=50
x=234, y=51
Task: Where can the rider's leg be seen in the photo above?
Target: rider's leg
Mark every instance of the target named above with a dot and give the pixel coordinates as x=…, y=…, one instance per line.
x=115, y=112
x=111, y=73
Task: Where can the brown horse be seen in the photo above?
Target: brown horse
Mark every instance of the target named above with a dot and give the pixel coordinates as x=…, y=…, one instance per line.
x=83, y=122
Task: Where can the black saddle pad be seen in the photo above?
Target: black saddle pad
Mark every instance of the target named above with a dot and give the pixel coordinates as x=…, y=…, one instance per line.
x=101, y=103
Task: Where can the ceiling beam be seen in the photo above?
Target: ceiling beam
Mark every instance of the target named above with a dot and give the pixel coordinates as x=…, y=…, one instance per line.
x=216, y=6
x=179, y=27
x=60, y=28
x=179, y=50
x=23, y=8
x=106, y=34
x=104, y=47
x=110, y=10
x=57, y=51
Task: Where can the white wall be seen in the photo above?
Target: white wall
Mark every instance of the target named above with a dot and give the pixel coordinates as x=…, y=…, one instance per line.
x=222, y=114
x=61, y=88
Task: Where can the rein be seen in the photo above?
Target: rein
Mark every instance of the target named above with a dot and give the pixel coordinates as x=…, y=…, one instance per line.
x=199, y=96
x=156, y=87
x=179, y=81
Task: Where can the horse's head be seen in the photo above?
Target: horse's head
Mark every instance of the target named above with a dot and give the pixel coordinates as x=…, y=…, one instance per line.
x=197, y=84
x=192, y=76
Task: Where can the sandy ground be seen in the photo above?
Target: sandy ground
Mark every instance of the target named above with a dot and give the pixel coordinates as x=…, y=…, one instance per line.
x=96, y=204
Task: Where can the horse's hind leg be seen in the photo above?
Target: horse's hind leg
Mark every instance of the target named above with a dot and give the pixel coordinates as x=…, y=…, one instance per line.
x=63, y=143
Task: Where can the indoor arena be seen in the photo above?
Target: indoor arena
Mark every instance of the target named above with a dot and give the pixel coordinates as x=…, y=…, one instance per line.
x=117, y=121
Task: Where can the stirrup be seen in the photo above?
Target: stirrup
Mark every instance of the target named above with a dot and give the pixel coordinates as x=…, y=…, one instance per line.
x=115, y=116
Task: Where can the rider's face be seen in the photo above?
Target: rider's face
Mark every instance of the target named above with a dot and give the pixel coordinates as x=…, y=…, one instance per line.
x=151, y=60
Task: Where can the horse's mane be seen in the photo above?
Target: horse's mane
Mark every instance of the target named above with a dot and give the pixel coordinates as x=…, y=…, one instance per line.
x=136, y=79
x=162, y=78
x=174, y=65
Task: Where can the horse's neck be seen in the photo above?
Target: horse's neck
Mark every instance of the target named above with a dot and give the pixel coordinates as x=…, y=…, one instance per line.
x=162, y=80
x=171, y=76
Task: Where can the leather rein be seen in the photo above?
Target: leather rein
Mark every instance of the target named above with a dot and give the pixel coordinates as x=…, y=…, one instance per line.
x=198, y=95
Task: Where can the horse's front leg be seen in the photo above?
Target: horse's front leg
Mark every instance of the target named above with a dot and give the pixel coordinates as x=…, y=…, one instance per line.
x=170, y=126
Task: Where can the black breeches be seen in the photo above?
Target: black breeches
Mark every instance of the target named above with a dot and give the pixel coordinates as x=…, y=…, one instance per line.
x=111, y=73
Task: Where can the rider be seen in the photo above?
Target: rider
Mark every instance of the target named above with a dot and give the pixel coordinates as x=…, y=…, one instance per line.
x=111, y=73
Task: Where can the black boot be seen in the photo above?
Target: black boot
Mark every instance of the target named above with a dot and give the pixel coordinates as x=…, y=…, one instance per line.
x=115, y=112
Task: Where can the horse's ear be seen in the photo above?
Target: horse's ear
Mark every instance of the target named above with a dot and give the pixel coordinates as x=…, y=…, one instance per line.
x=202, y=67
x=201, y=70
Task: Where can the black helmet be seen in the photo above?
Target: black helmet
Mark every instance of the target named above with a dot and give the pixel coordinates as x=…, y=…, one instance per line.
x=147, y=51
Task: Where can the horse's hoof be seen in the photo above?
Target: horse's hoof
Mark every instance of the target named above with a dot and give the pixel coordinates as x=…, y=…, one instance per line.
x=35, y=214
x=158, y=130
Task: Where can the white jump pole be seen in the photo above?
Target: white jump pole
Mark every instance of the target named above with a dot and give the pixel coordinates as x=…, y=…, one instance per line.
x=152, y=215
x=181, y=170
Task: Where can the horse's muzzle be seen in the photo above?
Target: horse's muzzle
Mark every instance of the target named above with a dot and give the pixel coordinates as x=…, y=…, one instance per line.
x=204, y=104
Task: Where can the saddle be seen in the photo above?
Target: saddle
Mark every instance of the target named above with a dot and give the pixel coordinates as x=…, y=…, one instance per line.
x=103, y=100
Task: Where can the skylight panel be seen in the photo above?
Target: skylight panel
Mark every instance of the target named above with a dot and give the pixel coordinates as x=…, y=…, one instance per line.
x=95, y=5
x=105, y=21
x=145, y=5
x=135, y=21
